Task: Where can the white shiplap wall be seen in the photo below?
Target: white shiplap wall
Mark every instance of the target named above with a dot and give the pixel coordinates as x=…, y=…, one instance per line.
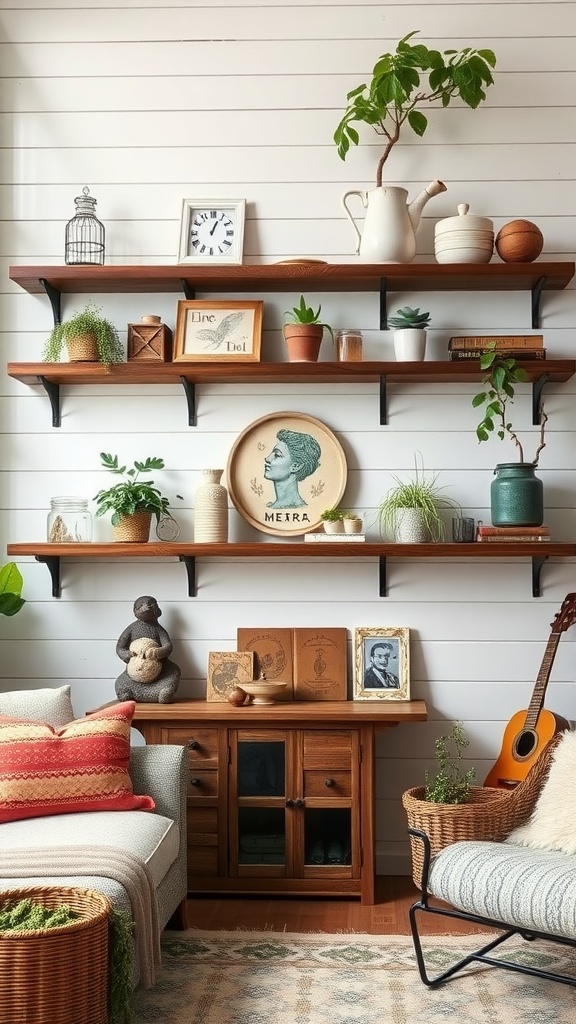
x=149, y=103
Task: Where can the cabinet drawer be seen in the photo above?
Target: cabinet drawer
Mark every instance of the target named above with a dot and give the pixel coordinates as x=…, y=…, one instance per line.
x=328, y=750
x=203, y=861
x=327, y=783
x=203, y=782
x=202, y=744
x=202, y=823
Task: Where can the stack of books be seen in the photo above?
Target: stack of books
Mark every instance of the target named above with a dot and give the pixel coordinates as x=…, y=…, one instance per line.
x=520, y=346
x=516, y=533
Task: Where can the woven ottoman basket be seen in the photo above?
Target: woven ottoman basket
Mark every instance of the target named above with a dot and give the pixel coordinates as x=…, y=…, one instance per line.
x=56, y=975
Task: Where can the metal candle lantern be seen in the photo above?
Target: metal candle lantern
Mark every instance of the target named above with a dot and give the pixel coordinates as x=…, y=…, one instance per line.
x=84, y=233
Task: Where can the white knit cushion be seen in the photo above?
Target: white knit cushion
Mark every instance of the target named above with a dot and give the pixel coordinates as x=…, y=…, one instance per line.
x=533, y=889
x=552, y=825
x=51, y=705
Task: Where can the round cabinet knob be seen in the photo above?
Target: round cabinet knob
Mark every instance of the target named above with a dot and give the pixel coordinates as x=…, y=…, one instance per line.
x=195, y=782
x=330, y=783
x=289, y=802
x=299, y=802
x=192, y=744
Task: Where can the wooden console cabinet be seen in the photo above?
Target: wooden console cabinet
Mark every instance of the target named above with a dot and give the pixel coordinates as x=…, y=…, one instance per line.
x=281, y=796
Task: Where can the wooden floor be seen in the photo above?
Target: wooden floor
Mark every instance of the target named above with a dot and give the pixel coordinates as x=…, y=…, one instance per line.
x=388, y=916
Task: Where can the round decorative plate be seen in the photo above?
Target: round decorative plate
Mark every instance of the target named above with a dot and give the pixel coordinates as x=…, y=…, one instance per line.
x=283, y=471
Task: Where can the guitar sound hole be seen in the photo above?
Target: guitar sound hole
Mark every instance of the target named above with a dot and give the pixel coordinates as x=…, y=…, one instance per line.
x=526, y=743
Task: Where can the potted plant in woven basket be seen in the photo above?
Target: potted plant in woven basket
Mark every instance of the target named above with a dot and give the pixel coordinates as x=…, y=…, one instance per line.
x=449, y=808
x=88, y=337
x=132, y=502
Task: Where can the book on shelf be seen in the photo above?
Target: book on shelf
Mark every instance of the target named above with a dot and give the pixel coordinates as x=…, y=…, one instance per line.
x=482, y=342
x=514, y=533
x=520, y=354
x=352, y=537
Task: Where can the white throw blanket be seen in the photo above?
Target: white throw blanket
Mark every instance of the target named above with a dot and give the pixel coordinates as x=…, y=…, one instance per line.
x=131, y=872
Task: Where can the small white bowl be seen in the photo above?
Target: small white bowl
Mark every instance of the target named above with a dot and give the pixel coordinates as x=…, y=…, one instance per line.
x=464, y=254
x=264, y=690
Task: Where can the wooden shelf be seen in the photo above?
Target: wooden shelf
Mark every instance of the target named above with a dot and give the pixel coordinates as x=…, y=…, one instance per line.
x=52, y=376
x=381, y=713
x=51, y=554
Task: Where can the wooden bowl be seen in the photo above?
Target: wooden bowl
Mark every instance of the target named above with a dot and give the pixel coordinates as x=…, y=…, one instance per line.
x=264, y=690
x=519, y=241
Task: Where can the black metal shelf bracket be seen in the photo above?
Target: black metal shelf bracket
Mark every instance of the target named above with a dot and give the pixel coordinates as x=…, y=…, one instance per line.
x=537, y=563
x=535, y=295
x=188, y=289
x=383, y=401
x=53, y=392
x=537, y=389
x=190, y=563
x=55, y=296
x=383, y=304
x=383, y=588
x=53, y=563
x=190, y=392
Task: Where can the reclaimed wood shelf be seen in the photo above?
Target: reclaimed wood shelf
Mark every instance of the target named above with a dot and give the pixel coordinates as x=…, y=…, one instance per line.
x=51, y=376
x=51, y=554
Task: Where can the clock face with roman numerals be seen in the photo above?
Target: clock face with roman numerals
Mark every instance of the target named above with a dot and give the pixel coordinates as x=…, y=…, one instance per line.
x=212, y=233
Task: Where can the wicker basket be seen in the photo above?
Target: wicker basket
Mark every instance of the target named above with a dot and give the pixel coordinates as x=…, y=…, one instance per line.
x=56, y=975
x=83, y=349
x=134, y=529
x=490, y=814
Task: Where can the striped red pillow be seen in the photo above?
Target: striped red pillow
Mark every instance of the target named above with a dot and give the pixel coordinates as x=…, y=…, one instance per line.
x=81, y=767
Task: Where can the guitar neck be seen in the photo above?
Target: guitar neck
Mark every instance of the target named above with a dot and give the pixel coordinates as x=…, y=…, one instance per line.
x=539, y=690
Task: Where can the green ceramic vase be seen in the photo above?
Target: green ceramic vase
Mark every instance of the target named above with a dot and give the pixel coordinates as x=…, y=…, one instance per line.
x=516, y=495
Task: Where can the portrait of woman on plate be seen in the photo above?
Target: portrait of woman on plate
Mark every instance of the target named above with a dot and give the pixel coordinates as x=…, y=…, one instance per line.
x=294, y=457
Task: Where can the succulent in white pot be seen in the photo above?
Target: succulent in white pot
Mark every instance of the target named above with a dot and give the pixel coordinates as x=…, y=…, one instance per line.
x=409, y=326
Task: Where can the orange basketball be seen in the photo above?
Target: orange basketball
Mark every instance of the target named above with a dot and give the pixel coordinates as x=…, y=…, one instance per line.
x=519, y=241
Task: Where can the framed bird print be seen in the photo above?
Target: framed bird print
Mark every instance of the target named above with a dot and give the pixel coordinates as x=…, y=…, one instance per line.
x=209, y=330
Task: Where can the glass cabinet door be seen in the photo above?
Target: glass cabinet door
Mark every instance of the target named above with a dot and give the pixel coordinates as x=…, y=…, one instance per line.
x=258, y=802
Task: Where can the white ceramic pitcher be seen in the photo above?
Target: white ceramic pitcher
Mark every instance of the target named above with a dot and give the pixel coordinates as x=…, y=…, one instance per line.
x=389, y=232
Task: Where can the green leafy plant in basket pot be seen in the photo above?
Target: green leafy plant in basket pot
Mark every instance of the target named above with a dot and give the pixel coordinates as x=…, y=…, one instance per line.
x=132, y=502
x=409, y=326
x=517, y=494
x=303, y=332
x=88, y=337
x=411, y=512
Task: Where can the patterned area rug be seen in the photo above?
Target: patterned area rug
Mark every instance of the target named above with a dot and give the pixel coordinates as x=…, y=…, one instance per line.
x=280, y=978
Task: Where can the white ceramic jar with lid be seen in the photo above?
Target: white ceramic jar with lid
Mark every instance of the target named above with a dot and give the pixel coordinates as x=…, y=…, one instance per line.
x=464, y=239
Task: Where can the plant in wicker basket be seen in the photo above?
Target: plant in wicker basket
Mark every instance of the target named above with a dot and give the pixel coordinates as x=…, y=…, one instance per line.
x=89, y=337
x=451, y=785
x=133, y=498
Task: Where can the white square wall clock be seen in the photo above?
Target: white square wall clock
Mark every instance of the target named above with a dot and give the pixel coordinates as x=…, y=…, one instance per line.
x=212, y=231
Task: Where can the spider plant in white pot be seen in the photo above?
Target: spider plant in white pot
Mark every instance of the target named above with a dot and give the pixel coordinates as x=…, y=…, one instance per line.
x=411, y=512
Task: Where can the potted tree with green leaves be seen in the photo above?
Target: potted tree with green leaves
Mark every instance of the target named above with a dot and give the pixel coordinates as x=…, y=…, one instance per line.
x=402, y=83
x=409, y=326
x=517, y=494
x=303, y=332
x=411, y=512
x=88, y=337
x=133, y=501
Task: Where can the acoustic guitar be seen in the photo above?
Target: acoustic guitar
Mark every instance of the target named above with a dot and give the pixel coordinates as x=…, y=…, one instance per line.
x=528, y=731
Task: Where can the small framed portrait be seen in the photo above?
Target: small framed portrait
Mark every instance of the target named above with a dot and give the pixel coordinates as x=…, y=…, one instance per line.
x=283, y=471
x=382, y=663
x=209, y=330
x=226, y=671
x=212, y=231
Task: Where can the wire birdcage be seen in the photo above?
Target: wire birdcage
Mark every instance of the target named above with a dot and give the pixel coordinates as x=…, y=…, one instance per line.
x=84, y=233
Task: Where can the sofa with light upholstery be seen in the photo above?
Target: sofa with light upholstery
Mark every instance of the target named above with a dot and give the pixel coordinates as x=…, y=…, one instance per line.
x=156, y=837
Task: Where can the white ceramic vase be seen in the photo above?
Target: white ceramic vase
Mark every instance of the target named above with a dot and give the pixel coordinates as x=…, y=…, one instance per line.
x=410, y=344
x=211, y=509
x=409, y=527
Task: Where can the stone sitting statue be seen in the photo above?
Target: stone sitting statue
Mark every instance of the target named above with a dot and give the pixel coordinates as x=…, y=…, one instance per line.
x=144, y=646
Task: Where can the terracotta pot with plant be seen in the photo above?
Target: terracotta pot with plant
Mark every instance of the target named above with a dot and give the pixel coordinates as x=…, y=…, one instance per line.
x=132, y=502
x=411, y=512
x=517, y=494
x=304, y=332
x=402, y=83
x=88, y=337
